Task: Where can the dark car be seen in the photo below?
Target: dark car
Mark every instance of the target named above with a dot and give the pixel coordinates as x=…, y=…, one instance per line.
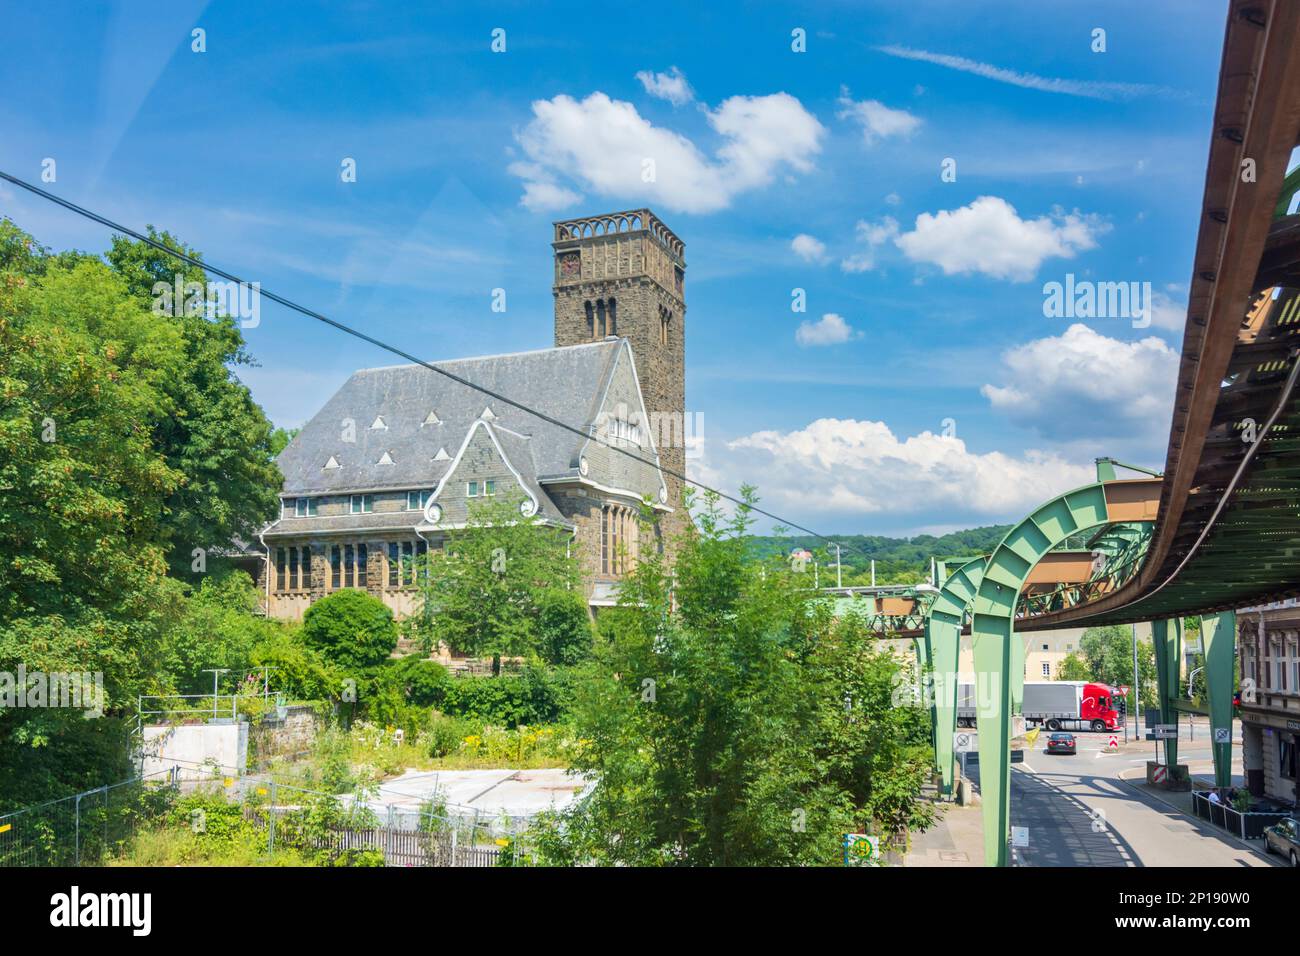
x=1284, y=837
x=1061, y=744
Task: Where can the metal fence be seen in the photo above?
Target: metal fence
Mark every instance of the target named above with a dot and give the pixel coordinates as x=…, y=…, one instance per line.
x=86, y=828
x=94, y=827
x=350, y=828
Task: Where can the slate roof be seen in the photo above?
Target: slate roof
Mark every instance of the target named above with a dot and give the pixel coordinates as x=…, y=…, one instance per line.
x=565, y=383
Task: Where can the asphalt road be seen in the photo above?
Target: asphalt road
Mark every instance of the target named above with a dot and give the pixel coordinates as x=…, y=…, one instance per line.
x=1080, y=814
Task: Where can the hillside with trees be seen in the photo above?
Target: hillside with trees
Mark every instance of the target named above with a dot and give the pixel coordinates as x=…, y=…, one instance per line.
x=898, y=560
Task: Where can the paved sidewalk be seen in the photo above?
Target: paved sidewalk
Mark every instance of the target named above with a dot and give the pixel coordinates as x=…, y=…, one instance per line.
x=956, y=839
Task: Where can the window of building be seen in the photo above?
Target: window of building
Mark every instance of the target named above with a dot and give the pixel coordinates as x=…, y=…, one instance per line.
x=600, y=318
x=280, y=567
x=293, y=568
x=349, y=565
x=471, y=489
x=490, y=487
x=416, y=500
x=408, y=566
x=591, y=320
x=363, y=504
x=394, y=563
x=1044, y=647
x=613, y=319
x=336, y=568
x=1047, y=668
x=1286, y=756
x=304, y=569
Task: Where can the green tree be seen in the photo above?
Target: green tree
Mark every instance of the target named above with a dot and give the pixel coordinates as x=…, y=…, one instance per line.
x=210, y=431
x=1073, y=668
x=486, y=594
x=352, y=629
x=728, y=719
x=1108, y=653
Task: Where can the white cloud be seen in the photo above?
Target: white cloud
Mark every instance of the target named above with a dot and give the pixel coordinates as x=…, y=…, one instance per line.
x=831, y=329
x=670, y=86
x=870, y=237
x=846, y=470
x=1166, y=313
x=607, y=147
x=808, y=248
x=989, y=237
x=893, y=199
x=1082, y=384
x=877, y=120
x=1092, y=89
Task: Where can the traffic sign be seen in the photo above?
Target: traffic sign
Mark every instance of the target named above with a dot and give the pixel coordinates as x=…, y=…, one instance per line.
x=1165, y=731
x=1222, y=735
x=1113, y=742
x=965, y=741
x=1158, y=775
x=1020, y=836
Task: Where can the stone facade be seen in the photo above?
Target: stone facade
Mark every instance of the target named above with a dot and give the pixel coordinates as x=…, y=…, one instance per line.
x=628, y=270
x=400, y=437
x=1268, y=648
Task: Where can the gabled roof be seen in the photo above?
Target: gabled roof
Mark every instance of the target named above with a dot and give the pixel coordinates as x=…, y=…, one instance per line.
x=565, y=383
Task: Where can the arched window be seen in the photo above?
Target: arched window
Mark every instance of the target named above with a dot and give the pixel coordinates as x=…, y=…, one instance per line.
x=591, y=321
x=613, y=316
x=600, y=318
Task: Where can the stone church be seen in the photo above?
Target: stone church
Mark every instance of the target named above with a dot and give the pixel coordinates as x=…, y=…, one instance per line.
x=387, y=469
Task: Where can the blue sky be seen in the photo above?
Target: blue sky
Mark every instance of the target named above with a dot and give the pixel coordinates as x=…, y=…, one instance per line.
x=926, y=390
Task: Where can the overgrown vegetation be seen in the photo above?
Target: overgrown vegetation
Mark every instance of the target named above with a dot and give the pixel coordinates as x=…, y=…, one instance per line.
x=728, y=719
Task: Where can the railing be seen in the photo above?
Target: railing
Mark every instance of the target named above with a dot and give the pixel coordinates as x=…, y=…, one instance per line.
x=1249, y=825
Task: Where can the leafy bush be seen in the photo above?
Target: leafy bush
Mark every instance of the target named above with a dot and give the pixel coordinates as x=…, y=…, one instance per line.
x=351, y=628
x=564, y=627
x=444, y=735
x=533, y=697
x=422, y=682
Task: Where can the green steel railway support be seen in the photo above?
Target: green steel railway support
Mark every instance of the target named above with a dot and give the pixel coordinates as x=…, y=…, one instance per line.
x=1219, y=643
x=1167, y=641
x=999, y=671
x=943, y=627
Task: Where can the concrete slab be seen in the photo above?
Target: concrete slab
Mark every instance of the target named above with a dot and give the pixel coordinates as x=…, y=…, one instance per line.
x=488, y=794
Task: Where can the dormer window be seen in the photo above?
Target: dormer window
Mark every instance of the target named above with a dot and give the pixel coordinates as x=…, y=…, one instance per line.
x=362, y=504
x=416, y=500
x=299, y=508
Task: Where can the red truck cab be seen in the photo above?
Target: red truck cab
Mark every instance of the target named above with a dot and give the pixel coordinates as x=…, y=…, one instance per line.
x=1098, y=703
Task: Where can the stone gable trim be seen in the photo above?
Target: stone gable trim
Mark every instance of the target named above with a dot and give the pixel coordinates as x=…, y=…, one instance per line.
x=455, y=463
x=625, y=348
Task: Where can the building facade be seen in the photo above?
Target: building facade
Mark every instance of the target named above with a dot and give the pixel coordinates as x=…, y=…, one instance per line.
x=1267, y=639
x=390, y=466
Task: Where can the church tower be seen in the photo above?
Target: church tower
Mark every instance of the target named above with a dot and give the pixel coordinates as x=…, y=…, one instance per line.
x=621, y=274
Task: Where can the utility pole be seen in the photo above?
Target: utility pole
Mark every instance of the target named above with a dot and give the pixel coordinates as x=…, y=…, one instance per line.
x=873, y=572
x=1137, y=687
